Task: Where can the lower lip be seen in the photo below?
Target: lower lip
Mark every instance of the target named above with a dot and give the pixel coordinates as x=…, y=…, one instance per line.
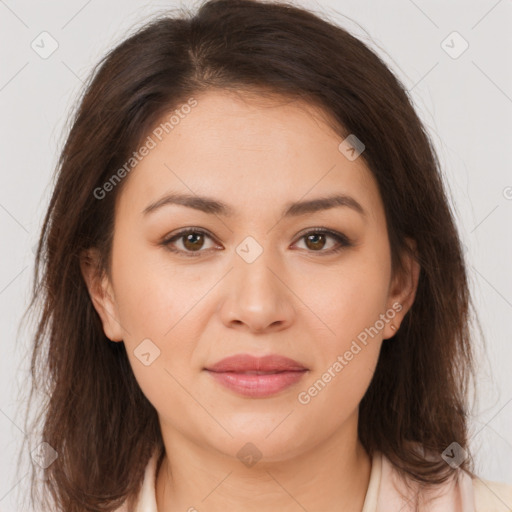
x=257, y=386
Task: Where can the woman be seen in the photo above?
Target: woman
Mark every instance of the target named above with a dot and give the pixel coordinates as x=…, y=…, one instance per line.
x=254, y=295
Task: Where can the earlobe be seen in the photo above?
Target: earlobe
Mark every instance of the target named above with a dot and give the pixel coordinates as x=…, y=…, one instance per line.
x=101, y=294
x=403, y=289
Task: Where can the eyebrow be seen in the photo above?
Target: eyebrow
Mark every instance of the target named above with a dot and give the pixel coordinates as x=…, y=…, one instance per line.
x=294, y=209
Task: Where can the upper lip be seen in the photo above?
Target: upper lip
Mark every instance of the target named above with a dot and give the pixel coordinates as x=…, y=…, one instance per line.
x=247, y=363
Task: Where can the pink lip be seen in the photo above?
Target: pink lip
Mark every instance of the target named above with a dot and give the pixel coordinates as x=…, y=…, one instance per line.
x=280, y=373
x=247, y=363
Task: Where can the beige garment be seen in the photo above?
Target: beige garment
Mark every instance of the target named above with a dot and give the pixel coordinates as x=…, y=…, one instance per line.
x=387, y=493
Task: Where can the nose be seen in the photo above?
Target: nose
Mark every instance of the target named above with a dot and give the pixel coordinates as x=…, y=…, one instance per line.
x=257, y=298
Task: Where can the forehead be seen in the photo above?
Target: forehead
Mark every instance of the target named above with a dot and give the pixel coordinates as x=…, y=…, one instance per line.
x=248, y=151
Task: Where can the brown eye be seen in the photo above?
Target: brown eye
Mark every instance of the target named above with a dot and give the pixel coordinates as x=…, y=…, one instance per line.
x=193, y=241
x=189, y=242
x=324, y=241
x=315, y=241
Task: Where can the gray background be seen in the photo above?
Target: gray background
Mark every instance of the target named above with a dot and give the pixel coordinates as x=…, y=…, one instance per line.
x=465, y=102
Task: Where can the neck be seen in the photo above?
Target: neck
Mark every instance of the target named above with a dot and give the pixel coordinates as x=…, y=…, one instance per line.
x=332, y=476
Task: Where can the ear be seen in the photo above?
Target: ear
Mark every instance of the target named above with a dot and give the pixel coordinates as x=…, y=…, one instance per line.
x=402, y=290
x=101, y=293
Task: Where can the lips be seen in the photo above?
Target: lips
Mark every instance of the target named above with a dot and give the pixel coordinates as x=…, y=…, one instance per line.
x=257, y=377
x=245, y=363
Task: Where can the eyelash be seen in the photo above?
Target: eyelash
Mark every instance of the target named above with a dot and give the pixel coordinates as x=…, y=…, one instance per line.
x=342, y=240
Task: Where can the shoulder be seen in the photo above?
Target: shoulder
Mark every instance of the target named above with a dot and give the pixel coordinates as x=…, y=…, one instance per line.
x=462, y=493
x=492, y=496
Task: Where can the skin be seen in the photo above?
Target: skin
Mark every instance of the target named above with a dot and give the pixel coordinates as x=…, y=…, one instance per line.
x=296, y=300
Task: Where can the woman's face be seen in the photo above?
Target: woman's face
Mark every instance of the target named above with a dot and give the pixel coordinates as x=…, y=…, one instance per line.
x=251, y=278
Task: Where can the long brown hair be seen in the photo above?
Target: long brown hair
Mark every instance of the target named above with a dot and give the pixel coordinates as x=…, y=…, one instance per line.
x=94, y=414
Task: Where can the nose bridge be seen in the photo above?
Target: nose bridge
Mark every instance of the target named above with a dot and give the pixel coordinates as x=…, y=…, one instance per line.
x=255, y=283
x=255, y=296
x=255, y=275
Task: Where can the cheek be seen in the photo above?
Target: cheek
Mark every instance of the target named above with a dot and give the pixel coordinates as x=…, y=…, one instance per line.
x=152, y=295
x=353, y=299
x=161, y=303
x=161, y=339
x=350, y=305
x=347, y=353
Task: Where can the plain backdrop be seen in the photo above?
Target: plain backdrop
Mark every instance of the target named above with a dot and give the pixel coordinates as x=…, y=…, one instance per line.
x=463, y=95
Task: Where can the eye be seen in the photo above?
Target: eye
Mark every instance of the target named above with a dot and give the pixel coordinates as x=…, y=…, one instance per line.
x=192, y=240
x=316, y=240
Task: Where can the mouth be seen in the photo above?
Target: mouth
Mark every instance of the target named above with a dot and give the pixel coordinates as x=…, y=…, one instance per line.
x=271, y=363
x=258, y=384
x=257, y=377
x=257, y=372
